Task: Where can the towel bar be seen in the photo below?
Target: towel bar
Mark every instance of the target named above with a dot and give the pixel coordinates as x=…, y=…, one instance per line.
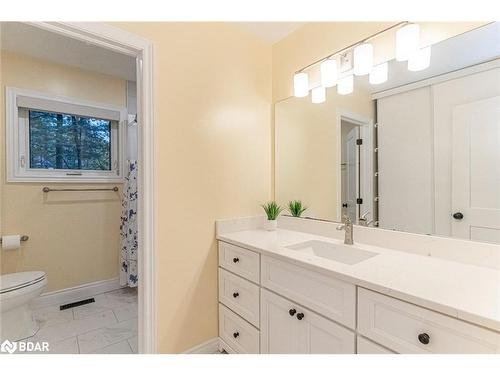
x=46, y=189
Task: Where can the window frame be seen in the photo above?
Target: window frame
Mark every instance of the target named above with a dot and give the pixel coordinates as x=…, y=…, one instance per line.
x=18, y=147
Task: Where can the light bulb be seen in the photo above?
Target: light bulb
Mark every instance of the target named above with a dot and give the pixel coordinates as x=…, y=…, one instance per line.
x=407, y=41
x=300, y=85
x=420, y=60
x=329, y=74
x=363, y=59
x=379, y=73
x=318, y=95
x=345, y=85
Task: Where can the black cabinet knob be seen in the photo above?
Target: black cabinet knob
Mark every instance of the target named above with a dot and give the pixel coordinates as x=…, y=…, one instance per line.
x=300, y=316
x=292, y=312
x=424, y=338
x=458, y=215
x=236, y=334
x=236, y=260
x=235, y=294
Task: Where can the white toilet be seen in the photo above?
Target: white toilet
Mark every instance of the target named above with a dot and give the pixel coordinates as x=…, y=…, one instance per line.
x=17, y=292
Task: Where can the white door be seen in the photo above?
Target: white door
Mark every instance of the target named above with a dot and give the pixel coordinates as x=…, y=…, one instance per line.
x=405, y=185
x=476, y=171
x=287, y=328
x=352, y=163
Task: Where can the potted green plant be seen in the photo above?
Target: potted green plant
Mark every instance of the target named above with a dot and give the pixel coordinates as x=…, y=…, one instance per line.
x=272, y=210
x=296, y=208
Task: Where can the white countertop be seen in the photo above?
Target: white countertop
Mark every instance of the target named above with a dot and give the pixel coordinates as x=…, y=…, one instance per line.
x=464, y=291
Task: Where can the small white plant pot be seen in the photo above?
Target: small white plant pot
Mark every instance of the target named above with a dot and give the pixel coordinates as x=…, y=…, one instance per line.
x=270, y=225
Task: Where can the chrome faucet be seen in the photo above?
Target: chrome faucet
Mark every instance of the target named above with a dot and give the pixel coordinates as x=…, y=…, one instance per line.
x=364, y=221
x=347, y=226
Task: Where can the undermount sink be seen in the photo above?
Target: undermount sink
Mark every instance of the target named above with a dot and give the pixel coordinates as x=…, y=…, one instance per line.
x=347, y=254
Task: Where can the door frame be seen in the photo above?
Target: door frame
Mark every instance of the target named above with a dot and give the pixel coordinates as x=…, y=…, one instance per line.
x=366, y=159
x=357, y=164
x=121, y=41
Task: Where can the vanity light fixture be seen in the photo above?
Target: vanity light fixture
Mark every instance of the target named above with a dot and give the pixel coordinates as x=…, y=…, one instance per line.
x=300, y=85
x=361, y=62
x=379, y=73
x=318, y=95
x=329, y=73
x=420, y=60
x=345, y=85
x=363, y=59
x=407, y=41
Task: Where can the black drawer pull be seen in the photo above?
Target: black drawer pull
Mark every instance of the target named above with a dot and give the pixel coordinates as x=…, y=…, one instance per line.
x=292, y=312
x=236, y=260
x=236, y=294
x=424, y=338
x=236, y=334
x=300, y=316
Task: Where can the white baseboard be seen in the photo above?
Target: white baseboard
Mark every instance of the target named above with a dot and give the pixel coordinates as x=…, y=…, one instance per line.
x=76, y=293
x=208, y=347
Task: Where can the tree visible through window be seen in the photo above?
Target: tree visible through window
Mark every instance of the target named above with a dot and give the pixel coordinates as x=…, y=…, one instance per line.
x=64, y=141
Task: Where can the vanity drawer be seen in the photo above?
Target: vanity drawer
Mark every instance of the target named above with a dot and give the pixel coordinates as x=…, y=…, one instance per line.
x=240, y=261
x=328, y=296
x=405, y=328
x=241, y=336
x=239, y=295
x=365, y=346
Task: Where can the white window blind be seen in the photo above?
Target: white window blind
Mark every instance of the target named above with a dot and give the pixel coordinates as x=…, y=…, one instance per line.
x=64, y=107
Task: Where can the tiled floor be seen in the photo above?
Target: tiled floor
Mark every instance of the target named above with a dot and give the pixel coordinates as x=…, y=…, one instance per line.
x=107, y=326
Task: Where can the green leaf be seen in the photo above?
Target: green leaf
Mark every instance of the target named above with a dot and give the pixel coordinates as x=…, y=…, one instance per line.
x=272, y=210
x=296, y=208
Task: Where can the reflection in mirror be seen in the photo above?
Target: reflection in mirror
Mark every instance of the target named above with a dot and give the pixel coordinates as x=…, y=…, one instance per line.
x=418, y=153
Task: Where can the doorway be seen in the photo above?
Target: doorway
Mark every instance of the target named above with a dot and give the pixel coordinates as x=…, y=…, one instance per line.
x=350, y=170
x=122, y=42
x=355, y=168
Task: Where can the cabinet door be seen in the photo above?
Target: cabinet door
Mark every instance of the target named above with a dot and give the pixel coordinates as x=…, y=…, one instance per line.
x=283, y=332
x=279, y=331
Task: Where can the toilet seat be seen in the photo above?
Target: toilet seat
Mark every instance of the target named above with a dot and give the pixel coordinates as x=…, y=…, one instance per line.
x=14, y=281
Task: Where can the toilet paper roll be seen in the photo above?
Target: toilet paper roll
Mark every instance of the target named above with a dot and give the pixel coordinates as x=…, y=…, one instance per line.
x=11, y=242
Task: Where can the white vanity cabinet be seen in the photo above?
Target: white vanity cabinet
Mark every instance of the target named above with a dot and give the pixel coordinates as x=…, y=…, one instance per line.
x=407, y=328
x=287, y=327
x=271, y=305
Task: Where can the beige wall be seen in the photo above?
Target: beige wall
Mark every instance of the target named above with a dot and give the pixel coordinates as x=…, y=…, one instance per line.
x=74, y=237
x=213, y=152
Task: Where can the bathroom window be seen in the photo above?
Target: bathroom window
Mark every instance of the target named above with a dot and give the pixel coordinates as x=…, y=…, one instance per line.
x=62, y=140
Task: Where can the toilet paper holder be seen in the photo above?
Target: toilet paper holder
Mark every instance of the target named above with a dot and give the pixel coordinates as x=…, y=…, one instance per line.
x=23, y=238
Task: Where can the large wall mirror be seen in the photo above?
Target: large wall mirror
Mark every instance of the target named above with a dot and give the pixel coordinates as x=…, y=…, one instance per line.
x=418, y=153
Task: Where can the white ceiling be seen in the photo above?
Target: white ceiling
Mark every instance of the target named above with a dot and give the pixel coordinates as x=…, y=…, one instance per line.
x=32, y=41
x=271, y=32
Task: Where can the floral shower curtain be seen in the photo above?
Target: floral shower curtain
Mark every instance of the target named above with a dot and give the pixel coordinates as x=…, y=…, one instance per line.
x=128, y=228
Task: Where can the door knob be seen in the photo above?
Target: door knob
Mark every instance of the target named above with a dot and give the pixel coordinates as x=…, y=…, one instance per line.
x=300, y=316
x=458, y=215
x=424, y=338
x=292, y=312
